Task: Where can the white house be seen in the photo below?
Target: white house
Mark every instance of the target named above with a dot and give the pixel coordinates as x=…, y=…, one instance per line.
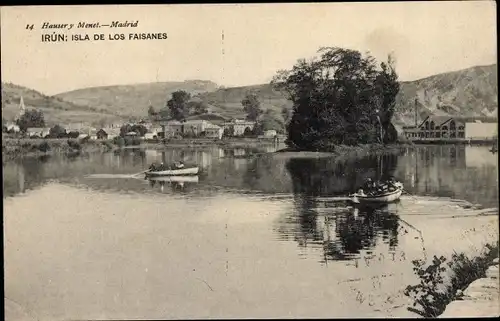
x=270, y=133
x=194, y=127
x=11, y=127
x=112, y=132
x=239, y=126
x=213, y=131
x=38, y=132
x=153, y=133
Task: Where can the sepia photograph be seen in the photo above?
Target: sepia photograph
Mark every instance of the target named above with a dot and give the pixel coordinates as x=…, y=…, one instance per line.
x=222, y=161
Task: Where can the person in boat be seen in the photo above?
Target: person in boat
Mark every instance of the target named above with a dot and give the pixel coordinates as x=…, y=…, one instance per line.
x=369, y=186
x=391, y=184
x=155, y=167
x=179, y=165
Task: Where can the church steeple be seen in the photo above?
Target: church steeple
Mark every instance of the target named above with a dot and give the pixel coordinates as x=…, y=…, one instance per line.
x=22, y=108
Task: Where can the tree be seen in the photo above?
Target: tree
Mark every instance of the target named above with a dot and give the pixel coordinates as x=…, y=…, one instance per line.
x=57, y=132
x=270, y=120
x=178, y=105
x=152, y=113
x=102, y=122
x=199, y=107
x=31, y=118
x=285, y=113
x=139, y=129
x=228, y=131
x=251, y=105
x=74, y=134
x=125, y=129
x=164, y=113
x=258, y=129
x=340, y=98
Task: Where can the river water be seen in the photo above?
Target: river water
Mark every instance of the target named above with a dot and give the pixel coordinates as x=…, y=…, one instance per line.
x=257, y=234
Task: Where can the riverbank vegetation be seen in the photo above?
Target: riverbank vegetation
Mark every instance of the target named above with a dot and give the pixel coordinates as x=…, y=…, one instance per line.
x=441, y=283
x=12, y=148
x=340, y=98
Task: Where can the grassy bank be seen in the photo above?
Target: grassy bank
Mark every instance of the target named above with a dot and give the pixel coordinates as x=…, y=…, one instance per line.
x=441, y=283
x=12, y=148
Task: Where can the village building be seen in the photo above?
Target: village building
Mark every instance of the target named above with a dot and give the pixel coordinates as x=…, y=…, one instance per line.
x=214, y=131
x=454, y=127
x=154, y=133
x=238, y=126
x=38, y=132
x=12, y=128
x=270, y=133
x=101, y=134
x=189, y=127
x=111, y=132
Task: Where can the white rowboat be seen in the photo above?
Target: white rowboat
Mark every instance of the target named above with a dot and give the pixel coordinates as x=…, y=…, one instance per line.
x=176, y=179
x=387, y=197
x=174, y=172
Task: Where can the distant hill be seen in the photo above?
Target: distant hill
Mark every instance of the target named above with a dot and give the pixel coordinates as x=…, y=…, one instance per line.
x=467, y=92
x=56, y=111
x=134, y=100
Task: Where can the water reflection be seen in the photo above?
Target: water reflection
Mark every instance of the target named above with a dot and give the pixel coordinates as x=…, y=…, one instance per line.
x=326, y=176
x=176, y=184
x=465, y=172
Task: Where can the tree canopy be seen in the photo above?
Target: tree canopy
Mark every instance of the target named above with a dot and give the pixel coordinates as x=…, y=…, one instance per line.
x=342, y=97
x=198, y=107
x=251, y=106
x=57, y=132
x=31, y=119
x=178, y=105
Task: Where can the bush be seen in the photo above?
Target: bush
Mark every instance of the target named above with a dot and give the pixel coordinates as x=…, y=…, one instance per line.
x=108, y=144
x=73, y=134
x=432, y=295
x=119, y=141
x=74, y=145
x=44, y=147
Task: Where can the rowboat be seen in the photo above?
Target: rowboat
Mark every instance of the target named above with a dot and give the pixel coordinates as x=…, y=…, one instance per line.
x=175, y=179
x=387, y=197
x=174, y=172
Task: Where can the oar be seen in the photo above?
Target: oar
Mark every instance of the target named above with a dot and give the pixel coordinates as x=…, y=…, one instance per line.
x=147, y=170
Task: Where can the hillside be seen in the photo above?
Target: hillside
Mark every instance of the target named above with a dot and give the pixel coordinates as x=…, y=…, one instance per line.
x=56, y=111
x=134, y=99
x=468, y=92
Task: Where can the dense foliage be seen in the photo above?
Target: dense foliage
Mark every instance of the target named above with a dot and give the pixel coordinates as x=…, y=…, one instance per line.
x=251, y=106
x=198, y=107
x=178, y=105
x=140, y=130
x=342, y=97
x=434, y=292
x=31, y=118
x=57, y=132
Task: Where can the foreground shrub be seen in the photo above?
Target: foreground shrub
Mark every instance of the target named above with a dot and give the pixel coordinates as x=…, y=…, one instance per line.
x=433, y=294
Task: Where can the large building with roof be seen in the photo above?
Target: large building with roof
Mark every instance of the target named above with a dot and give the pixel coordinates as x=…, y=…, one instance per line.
x=454, y=127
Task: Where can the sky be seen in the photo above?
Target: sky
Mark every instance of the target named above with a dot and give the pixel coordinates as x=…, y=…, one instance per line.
x=426, y=38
